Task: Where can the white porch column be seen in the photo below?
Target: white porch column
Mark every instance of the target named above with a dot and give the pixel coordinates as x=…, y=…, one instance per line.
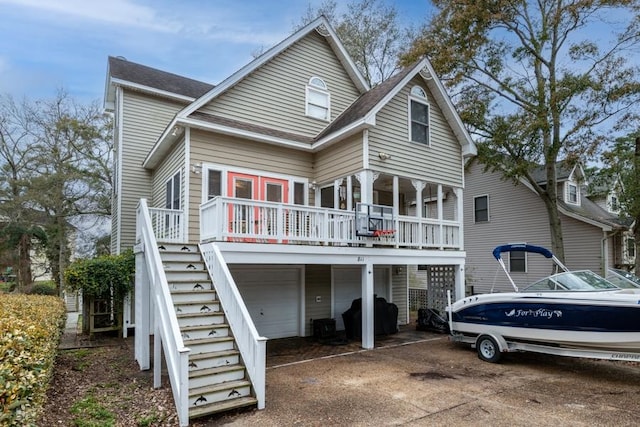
x=142, y=323
x=350, y=206
x=396, y=208
x=419, y=186
x=460, y=285
x=368, y=305
x=440, y=218
x=336, y=193
x=460, y=217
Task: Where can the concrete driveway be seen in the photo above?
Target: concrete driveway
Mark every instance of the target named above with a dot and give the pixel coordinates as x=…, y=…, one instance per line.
x=435, y=382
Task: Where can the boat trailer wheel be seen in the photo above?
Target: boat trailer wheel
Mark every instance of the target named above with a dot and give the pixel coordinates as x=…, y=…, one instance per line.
x=488, y=349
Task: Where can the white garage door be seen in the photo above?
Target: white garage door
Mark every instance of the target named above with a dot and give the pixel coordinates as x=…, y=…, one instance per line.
x=347, y=286
x=272, y=296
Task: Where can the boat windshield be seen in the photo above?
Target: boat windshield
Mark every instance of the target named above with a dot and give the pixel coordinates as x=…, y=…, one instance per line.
x=572, y=281
x=623, y=279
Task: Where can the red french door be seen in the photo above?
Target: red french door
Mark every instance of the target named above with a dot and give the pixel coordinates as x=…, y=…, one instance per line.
x=251, y=220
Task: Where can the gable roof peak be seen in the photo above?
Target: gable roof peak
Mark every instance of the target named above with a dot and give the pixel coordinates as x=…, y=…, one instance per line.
x=322, y=26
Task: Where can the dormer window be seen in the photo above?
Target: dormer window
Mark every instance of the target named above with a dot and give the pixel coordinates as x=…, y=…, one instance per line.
x=572, y=194
x=614, y=205
x=318, y=100
x=418, y=116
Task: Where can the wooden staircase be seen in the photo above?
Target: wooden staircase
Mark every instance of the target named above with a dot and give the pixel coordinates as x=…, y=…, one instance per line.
x=218, y=380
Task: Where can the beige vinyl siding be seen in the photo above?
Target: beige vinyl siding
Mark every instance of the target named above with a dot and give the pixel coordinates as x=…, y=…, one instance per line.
x=171, y=165
x=399, y=292
x=231, y=151
x=339, y=160
x=275, y=96
x=144, y=119
x=517, y=215
x=440, y=162
x=318, y=284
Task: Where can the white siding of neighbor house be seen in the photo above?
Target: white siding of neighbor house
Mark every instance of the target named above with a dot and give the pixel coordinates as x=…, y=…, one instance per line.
x=516, y=215
x=144, y=119
x=275, y=96
x=172, y=164
x=318, y=284
x=206, y=147
x=440, y=162
x=339, y=160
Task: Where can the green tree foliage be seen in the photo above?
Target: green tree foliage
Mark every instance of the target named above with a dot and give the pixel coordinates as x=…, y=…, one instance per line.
x=370, y=31
x=534, y=83
x=107, y=275
x=58, y=157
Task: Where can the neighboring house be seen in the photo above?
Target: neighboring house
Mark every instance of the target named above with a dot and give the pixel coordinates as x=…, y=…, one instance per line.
x=607, y=196
x=499, y=212
x=298, y=179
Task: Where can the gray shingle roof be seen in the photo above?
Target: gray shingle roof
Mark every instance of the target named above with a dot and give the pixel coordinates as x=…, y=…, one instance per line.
x=591, y=210
x=563, y=171
x=122, y=69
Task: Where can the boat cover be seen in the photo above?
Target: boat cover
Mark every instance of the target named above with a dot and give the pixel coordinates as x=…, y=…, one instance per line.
x=521, y=247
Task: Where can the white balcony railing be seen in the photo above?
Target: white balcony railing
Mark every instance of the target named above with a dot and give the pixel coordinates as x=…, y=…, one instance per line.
x=252, y=221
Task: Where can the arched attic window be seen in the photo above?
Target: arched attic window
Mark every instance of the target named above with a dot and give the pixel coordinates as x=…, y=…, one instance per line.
x=419, y=116
x=318, y=99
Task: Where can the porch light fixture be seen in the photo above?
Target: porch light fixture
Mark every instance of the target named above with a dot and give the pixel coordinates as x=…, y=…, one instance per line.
x=313, y=185
x=196, y=168
x=174, y=131
x=384, y=156
x=398, y=270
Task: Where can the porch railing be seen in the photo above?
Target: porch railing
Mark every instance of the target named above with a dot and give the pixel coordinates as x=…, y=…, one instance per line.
x=167, y=331
x=242, y=220
x=251, y=345
x=168, y=224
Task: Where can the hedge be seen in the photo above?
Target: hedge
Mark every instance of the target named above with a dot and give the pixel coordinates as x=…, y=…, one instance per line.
x=30, y=330
x=107, y=275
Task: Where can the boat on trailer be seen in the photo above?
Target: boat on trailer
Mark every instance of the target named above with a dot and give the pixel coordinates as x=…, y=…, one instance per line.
x=569, y=313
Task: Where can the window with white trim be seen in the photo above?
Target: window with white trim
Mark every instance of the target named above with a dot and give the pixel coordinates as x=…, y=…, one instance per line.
x=418, y=116
x=214, y=183
x=172, y=194
x=481, y=208
x=518, y=262
x=318, y=99
x=572, y=194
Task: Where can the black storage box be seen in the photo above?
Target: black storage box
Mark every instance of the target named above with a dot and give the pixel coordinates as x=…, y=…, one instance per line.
x=324, y=328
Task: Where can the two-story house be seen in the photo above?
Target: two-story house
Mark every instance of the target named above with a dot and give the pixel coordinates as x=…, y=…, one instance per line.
x=500, y=212
x=275, y=199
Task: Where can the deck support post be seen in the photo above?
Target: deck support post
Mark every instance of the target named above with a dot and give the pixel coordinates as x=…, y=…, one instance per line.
x=142, y=305
x=368, y=306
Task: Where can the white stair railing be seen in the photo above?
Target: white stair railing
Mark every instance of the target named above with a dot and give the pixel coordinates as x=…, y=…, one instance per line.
x=251, y=345
x=167, y=330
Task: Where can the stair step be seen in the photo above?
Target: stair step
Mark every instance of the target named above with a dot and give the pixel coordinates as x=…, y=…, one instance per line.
x=226, y=405
x=214, y=359
x=205, y=331
x=206, y=345
x=179, y=265
x=199, y=276
x=218, y=392
x=191, y=295
x=197, y=307
x=180, y=284
x=217, y=375
x=177, y=247
x=199, y=319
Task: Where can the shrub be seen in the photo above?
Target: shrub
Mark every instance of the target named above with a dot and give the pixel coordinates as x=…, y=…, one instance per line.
x=99, y=277
x=30, y=329
x=43, y=288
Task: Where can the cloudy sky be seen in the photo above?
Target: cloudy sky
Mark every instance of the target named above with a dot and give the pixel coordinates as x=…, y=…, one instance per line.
x=51, y=44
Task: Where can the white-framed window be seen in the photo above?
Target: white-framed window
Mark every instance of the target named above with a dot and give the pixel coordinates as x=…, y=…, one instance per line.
x=418, y=116
x=172, y=193
x=573, y=195
x=614, y=205
x=318, y=99
x=481, y=208
x=518, y=262
x=214, y=183
x=631, y=247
